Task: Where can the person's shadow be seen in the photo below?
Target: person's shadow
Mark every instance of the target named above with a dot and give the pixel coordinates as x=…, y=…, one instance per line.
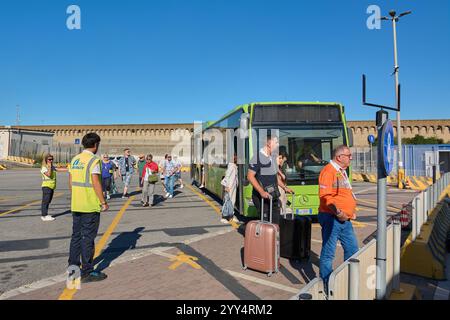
x=119, y=245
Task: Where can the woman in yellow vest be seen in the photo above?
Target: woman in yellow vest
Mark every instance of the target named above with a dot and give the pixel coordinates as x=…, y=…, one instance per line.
x=48, y=172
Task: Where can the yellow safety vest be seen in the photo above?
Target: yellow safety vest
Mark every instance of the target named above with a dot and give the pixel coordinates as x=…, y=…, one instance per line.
x=49, y=182
x=84, y=198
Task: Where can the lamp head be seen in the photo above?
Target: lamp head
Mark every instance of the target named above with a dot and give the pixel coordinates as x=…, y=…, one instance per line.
x=392, y=13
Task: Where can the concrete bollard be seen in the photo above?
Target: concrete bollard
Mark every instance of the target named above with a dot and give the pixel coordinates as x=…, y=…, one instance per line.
x=397, y=248
x=353, y=280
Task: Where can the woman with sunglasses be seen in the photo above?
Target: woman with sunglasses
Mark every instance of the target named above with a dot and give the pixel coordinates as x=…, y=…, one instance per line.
x=48, y=172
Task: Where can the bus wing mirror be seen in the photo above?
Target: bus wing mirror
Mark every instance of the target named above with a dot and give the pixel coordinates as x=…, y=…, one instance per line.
x=243, y=125
x=350, y=137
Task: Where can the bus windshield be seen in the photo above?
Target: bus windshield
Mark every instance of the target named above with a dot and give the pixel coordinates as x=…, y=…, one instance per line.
x=308, y=149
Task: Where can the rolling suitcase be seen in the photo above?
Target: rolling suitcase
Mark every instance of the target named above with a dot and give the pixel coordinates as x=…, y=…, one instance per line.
x=262, y=244
x=295, y=236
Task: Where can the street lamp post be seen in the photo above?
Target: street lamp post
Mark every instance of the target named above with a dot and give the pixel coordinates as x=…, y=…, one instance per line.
x=401, y=170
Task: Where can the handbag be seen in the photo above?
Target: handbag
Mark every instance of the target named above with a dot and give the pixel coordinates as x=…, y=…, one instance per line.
x=227, y=208
x=152, y=177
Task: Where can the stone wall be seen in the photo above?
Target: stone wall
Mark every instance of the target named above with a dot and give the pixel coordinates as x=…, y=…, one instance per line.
x=427, y=128
x=159, y=139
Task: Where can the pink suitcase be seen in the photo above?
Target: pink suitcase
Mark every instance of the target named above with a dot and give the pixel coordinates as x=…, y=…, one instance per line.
x=262, y=244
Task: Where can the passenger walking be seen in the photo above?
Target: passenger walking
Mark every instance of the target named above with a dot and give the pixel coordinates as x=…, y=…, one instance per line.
x=141, y=163
x=87, y=202
x=169, y=175
x=282, y=183
x=262, y=174
x=161, y=170
x=126, y=166
x=108, y=175
x=149, y=179
x=230, y=182
x=48, y=172
x=337, y=209
x=178, y=171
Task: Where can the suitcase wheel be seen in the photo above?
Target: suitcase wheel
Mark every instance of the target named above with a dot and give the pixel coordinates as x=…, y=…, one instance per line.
x=244, y=267
x=269, y=274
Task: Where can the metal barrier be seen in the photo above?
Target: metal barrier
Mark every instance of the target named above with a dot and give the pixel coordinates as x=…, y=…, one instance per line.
x=424, y=251
x=355, y=279
x=426, y=201
x=314, y=290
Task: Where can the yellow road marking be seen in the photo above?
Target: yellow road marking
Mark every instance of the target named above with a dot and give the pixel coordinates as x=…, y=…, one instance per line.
x=182, y=258
x=28, y=205
x=69, y=293
x=234, y=224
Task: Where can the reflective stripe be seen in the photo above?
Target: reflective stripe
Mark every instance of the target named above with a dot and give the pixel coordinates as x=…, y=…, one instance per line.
x=86, y=184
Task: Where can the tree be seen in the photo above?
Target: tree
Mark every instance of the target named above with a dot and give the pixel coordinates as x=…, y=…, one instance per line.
x=418, y=139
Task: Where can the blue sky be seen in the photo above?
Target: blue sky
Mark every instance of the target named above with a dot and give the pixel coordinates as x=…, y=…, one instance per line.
x=167, y=61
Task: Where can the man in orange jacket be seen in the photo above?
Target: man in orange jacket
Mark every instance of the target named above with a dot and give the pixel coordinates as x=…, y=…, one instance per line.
x=337, y=209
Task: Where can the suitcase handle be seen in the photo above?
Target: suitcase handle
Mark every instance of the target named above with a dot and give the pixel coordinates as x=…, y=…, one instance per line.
x=270, y=209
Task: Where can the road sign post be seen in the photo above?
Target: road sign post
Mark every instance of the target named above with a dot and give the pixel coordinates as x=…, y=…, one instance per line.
x=384, y=168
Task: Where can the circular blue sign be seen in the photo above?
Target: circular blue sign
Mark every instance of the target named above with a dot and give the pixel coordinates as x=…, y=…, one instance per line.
x=387, y=147
x=371, y=139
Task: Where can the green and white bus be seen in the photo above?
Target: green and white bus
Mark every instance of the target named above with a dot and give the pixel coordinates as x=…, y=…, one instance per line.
x=308, y=132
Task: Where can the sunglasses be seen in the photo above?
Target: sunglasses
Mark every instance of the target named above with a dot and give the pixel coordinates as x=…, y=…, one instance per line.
x=50, y=159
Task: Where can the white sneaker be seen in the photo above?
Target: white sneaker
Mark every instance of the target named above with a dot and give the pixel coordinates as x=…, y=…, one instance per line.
x=108, y=197
x=201, y=186
x=47, y=218
x=181, y=187
x=235, y=219
x=167, y=195
x=225, y=221
x=171, y=196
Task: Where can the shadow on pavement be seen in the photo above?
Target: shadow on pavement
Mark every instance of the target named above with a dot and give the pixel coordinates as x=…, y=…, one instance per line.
x=119, y=245
x=62, y=213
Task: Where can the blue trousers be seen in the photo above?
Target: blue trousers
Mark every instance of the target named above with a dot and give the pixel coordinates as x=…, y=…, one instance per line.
x=82, y=245
x=170, y=181
x=332, y=231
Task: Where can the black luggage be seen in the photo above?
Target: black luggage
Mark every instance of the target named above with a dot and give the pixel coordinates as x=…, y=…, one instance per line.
x=295, y=237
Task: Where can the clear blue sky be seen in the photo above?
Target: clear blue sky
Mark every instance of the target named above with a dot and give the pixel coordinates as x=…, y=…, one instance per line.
x=166, y=61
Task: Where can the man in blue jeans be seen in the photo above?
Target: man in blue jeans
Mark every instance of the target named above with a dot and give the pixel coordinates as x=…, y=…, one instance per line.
x=169, y=174
x=337, y=209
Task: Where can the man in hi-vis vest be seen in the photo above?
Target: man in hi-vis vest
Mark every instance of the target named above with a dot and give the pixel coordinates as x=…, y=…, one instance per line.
x=87, y=202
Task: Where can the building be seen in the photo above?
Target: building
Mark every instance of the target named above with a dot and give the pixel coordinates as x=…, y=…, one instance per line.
x=24, y=142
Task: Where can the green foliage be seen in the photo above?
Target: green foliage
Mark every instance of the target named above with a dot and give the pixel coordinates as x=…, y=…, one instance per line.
x=418, y=139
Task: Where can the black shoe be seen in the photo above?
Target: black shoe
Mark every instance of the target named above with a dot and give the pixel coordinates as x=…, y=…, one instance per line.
x=146, y=204
x=93, y=276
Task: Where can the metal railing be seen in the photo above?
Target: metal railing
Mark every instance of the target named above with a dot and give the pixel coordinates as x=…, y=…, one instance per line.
x=424, y=203
x=355, y=279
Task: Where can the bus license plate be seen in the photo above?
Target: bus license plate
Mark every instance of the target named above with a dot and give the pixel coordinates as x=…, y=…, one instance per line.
x=304, y=211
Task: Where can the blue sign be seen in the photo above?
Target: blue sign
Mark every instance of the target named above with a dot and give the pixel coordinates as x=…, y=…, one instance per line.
x=387, y=147
x=371, y=139
x=77, y=141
